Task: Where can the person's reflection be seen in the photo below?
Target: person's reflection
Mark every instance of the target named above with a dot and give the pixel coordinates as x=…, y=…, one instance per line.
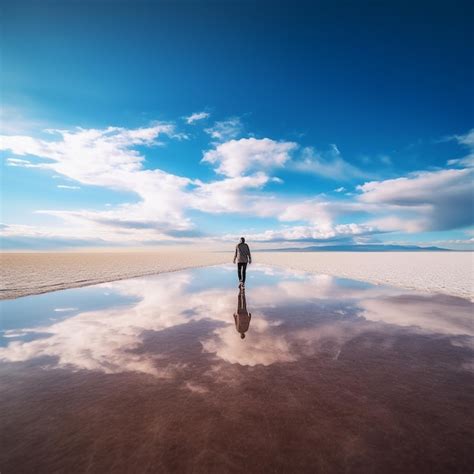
x=242, y=316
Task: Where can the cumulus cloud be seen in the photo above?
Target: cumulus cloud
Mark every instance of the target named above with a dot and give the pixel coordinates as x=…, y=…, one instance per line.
x=108, y=158
x=230, y=194
x=225, y=129
x=441, y=200
x=315, y=233
x=196, y=116
x=236, y=157
x=89, y=155
x=317, y=210
x=163, y=202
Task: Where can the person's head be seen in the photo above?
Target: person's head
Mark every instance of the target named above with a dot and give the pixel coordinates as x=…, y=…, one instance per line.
x=242, y=335
x=242, y=240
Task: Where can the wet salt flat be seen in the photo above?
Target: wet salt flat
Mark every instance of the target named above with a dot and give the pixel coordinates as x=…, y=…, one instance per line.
x=181, y=372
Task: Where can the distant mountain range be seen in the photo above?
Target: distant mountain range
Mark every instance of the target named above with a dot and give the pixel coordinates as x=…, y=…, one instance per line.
x=359, y=248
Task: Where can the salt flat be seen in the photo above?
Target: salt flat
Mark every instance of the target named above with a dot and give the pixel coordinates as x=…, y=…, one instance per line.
x=450, y=273
x=24, y=274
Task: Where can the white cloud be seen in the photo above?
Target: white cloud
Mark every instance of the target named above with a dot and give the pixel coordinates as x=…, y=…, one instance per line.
x=236, y=157
x=330, y=165
x=425, y=200
x=107, y=158
x=229, y=194
x=314, y=233
x=66, y=186
x=398, y=224
x=90, y=155
x=196, y=116
x=18, y=162
x=318, y=210
x=442, y=200
x=467, y=161
x=320, y=213
x=225, y=129
x=467, y=141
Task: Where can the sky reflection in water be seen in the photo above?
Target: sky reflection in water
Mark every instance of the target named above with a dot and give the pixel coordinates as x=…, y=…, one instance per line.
x=101, y=327
x=153, y=374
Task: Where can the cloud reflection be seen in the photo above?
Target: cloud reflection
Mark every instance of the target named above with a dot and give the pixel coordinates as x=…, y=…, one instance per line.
x=112, y=340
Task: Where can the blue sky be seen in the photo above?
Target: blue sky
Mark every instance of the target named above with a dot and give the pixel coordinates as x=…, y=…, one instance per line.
x=293, y=123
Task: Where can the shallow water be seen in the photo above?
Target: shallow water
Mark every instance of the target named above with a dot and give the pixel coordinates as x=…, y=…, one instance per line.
x=153, y=375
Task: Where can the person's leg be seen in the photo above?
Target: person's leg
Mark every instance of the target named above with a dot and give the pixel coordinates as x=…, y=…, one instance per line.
x=239, y=271
x=244, y=271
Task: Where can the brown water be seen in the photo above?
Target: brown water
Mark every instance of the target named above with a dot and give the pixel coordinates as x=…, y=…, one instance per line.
x=152, y=375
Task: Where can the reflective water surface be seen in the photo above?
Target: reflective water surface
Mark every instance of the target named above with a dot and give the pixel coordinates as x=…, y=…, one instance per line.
x=182, y=372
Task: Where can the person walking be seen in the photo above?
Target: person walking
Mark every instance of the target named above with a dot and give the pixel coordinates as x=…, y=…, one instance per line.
x=242, y=256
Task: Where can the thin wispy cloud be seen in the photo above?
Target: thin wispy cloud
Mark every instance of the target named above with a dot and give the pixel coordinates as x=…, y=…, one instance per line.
x=329, y=164
x=66, y=186
x=225, y=129
x=196, y=117
x=467, y=141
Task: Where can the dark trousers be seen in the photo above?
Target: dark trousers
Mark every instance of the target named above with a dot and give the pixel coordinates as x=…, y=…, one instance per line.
x=241, y=271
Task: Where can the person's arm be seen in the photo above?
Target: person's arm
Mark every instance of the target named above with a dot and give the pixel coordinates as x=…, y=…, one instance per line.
x=235, y=254
x=250, y=256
